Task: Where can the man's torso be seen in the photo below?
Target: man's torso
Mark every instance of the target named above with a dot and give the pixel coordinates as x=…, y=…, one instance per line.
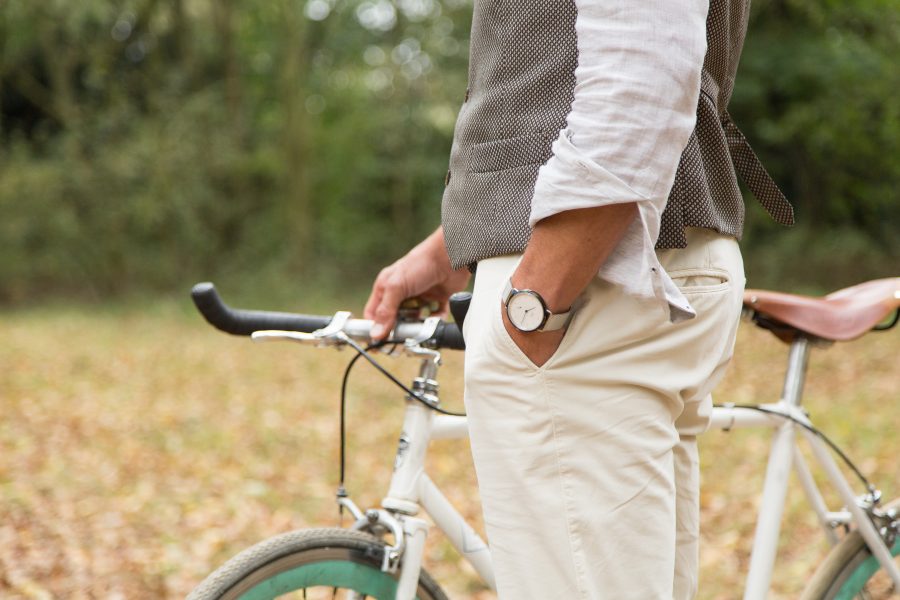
x=523, y=58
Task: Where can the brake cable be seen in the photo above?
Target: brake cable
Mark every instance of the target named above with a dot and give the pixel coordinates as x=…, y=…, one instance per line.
x=818, y=432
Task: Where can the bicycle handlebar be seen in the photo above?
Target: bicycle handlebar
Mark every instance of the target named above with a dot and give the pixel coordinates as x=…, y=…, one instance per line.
x=244, y=322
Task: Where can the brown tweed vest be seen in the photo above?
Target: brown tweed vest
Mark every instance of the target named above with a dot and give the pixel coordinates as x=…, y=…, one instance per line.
x=521, y=84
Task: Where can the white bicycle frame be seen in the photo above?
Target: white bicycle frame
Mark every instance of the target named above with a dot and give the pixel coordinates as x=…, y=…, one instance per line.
x=411, y=489
x=783, y=455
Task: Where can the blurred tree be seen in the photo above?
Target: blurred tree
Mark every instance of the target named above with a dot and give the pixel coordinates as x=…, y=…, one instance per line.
x=151, y=143
x=816, y=94
x=147, y=143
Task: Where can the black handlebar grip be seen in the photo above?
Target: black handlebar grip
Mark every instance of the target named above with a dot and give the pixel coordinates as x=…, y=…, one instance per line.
x=244, y=322
x=459, y=306
x=448, y=335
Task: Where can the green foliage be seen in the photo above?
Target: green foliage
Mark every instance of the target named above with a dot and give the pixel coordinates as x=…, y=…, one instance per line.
x=152, y=144
x=147, y=144
x=817, y=95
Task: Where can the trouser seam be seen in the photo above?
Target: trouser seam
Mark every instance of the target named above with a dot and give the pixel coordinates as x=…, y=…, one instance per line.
x=568, y=509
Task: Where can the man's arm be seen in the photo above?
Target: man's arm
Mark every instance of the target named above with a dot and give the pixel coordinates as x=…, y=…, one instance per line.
x=565, y=252
x=637, y=84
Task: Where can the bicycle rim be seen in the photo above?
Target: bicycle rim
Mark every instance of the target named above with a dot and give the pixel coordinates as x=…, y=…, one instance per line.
x=311, y=564
x=321, y=573
x=863, y=578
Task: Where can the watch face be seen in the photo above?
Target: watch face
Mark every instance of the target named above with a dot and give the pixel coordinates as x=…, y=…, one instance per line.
x=525, y=311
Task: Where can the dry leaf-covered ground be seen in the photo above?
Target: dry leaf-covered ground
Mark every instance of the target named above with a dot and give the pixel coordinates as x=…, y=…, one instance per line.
x=138, y=450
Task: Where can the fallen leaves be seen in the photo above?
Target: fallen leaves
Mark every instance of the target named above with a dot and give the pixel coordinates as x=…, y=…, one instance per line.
x=139, y=451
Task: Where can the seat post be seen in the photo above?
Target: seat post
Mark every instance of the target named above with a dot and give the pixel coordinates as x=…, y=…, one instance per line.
x=771, y=506
x=798, y=358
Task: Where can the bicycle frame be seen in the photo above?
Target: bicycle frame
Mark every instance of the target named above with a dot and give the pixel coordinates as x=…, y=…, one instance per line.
x=783, y=455
x=411, y=489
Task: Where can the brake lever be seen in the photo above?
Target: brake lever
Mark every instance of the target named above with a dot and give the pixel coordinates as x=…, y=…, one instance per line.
x=330, y=335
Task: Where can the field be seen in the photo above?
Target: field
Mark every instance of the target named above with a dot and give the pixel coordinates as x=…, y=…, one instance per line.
x=139, y=449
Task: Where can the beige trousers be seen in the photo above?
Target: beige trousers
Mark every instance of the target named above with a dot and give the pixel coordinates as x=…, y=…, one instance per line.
x=587, y=466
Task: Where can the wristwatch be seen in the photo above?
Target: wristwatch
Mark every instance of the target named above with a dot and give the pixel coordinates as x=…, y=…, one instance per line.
x=527, y=310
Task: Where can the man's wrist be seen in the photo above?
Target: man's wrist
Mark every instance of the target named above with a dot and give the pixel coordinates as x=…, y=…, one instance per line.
x=433, y=249
x=555, y=296
x=567, y=249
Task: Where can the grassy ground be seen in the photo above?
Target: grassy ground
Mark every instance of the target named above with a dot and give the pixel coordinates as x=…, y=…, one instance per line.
x=140, y=449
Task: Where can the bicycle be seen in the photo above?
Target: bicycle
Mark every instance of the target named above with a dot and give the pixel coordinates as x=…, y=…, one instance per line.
x=380, y=556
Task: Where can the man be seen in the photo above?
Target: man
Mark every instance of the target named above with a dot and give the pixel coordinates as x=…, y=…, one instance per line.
x=591, y=182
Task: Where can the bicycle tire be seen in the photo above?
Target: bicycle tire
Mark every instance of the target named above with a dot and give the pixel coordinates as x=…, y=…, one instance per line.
x=320, y=561
x=850, y=571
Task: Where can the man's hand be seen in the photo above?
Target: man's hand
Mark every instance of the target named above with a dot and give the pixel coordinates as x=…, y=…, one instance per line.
x=424, y=272
x=538, y=346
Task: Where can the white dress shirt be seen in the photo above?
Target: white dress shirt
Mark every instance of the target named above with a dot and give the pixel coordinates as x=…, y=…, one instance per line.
x=636, y=91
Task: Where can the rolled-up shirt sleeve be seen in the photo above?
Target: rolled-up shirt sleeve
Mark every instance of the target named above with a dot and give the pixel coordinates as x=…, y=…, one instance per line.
x=634, y=107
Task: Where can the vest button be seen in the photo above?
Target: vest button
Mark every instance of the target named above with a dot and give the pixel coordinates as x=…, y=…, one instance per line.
x=447, y=179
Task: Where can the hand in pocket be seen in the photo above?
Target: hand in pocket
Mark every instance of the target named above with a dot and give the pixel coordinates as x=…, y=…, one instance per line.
x=538, y=346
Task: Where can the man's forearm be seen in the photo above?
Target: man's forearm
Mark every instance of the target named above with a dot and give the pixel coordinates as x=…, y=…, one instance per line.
x=567, y=250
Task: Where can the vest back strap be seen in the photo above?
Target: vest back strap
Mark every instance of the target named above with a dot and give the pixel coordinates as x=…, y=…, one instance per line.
x=754, y=174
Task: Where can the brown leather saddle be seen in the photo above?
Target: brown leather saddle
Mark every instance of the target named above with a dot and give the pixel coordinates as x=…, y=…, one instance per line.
x=840, y=316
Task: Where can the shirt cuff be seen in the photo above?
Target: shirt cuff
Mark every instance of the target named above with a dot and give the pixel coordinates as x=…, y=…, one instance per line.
x=571, y=180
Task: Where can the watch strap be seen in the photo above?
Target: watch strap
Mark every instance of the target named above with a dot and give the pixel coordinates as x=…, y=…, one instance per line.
x=508, y=291
x=557, y=321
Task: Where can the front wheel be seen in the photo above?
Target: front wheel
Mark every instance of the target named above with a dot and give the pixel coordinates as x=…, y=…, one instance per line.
x=315, y=564
x=850, y=571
